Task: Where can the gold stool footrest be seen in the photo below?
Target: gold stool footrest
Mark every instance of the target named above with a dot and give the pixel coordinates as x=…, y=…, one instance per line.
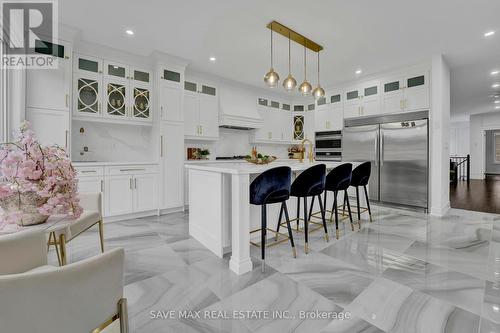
x=275, y=242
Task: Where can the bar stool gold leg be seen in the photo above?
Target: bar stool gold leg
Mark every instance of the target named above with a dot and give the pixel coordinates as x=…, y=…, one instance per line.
x=62, y=249
x=101, y=235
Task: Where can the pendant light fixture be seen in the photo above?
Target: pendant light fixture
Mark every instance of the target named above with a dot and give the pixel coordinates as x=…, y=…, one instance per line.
x=305, y=87
x=289, y=83
x=318, y=92
x=271, y=78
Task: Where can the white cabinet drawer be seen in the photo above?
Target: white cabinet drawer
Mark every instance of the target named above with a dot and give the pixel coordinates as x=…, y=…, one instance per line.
x=84, y=171
x=131, y=170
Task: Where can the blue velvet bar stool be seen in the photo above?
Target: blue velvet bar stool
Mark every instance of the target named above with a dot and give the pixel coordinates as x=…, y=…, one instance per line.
x=337, y=180
x=360, y=178
x=310, y=183
x=272, y=186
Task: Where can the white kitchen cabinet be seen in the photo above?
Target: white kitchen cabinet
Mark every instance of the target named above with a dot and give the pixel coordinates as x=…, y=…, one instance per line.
x=330, y=116
x=130, y=189
x=115, y=70
x=50, y=88
x=87, y=64
x=145, y=192
x=51, y=126
x=277, y=126
x=91, y=184
x=172, y=165
x=406, y=92
x=171, y=102
x=116, y=100
x=362, y=100
x=302, y=126
x=209, y=116
x=201, y=111
x=87, y=94
x=119, y=195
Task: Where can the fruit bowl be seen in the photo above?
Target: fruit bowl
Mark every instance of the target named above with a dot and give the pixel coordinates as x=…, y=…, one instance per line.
x=261, y=160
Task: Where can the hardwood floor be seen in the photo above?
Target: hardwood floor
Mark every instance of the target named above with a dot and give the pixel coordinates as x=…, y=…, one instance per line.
x=478, y=195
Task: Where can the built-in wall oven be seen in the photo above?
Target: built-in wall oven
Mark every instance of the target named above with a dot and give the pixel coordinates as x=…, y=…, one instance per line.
x=329, y=146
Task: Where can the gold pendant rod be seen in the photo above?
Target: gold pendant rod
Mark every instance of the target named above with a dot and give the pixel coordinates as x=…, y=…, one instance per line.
x=295, y=36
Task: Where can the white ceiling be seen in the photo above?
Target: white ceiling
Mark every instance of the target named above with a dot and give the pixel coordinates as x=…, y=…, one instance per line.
x=367, y=34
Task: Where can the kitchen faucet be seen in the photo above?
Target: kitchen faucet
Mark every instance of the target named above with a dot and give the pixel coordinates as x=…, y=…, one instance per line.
x=310, y=156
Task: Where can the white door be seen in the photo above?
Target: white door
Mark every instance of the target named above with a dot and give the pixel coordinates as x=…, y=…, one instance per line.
x=90, y=184
x=321, y=118
x=416, y=92
x=336, y=117
x=209, y=116
x=50, y=126
x=352, y=104
x=191, y=114
x=145, y=192
x=50, y=88
x=172, y=160
x=371, y=98
x=119, y=195
x=171, y=103
x=392, y=94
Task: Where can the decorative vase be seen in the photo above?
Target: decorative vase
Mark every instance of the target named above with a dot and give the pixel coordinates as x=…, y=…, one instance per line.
x=27, y=203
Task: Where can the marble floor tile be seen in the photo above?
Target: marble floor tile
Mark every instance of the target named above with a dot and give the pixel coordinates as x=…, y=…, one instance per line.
x=472, y=260
x=352, y=325
x=377, y=237
x=491, y=302
x=181, y=289
x=365, y=256
x=278, y=293
x=334, y=279
x=191, y=251
x=396, y=308
x=461, y=290
x=143, y=264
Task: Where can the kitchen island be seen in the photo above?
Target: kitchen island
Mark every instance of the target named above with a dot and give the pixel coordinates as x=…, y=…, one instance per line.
x=220, y=215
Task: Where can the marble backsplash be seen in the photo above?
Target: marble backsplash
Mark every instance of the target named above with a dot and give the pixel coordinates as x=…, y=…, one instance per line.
x=236, y=142
x=108, y=142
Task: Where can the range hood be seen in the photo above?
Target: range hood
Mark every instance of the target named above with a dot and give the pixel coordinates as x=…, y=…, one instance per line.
x=238, y=110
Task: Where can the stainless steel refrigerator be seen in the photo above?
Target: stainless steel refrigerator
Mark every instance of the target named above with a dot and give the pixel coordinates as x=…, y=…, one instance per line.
x=397, y=146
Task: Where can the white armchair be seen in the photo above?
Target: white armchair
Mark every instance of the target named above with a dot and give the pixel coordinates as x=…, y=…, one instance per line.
x=83, y=297
x=62, y=233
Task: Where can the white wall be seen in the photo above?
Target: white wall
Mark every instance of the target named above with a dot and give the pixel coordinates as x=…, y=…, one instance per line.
x=439, y=136
x=479, y=123
x=459, y=138
x=109, y=142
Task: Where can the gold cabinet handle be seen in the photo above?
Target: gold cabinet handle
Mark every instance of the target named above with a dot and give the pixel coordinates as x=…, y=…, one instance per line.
x=102, y=185
x=161, y=112
x=130, y=179
x=135, y=183
x=66, y=134
x=67, y=100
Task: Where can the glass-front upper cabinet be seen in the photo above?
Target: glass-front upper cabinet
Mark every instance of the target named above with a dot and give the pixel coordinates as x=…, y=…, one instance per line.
x=141, y=103
x=116, y=99
x=116, y=70
x=87, y=96
x=298, y=127
x=140, y=75
x=87, y=64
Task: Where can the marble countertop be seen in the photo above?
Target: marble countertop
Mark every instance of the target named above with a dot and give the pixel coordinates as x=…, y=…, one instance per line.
x=236, y=167
x=83, y=164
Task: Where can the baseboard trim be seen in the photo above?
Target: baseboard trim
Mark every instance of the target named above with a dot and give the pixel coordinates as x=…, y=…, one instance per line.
x=440, y=211
x=172, y=210
x=130, y=216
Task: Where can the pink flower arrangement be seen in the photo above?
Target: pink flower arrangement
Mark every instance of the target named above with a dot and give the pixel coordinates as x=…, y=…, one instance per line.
x=27, y=166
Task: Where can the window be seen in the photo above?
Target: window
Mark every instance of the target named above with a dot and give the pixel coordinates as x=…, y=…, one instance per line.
x=496, y=145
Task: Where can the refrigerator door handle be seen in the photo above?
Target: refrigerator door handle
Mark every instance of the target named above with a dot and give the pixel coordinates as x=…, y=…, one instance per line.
x=381, y=151
x=376, y=150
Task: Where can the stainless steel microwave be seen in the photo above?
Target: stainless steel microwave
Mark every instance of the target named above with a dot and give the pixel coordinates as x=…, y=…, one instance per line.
x=329, y=146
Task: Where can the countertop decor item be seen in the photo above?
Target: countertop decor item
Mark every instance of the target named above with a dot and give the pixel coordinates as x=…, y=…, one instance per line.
x=260, y=159
x=37, y=181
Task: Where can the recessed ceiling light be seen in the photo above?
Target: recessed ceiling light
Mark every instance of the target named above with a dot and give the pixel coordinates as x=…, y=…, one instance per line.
x=212, y=59
x=359, y=71
x=495, y=72
x=489, y=33
x=497, y=107
x=129, y=32
x=496, y=85
x=497, y=102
